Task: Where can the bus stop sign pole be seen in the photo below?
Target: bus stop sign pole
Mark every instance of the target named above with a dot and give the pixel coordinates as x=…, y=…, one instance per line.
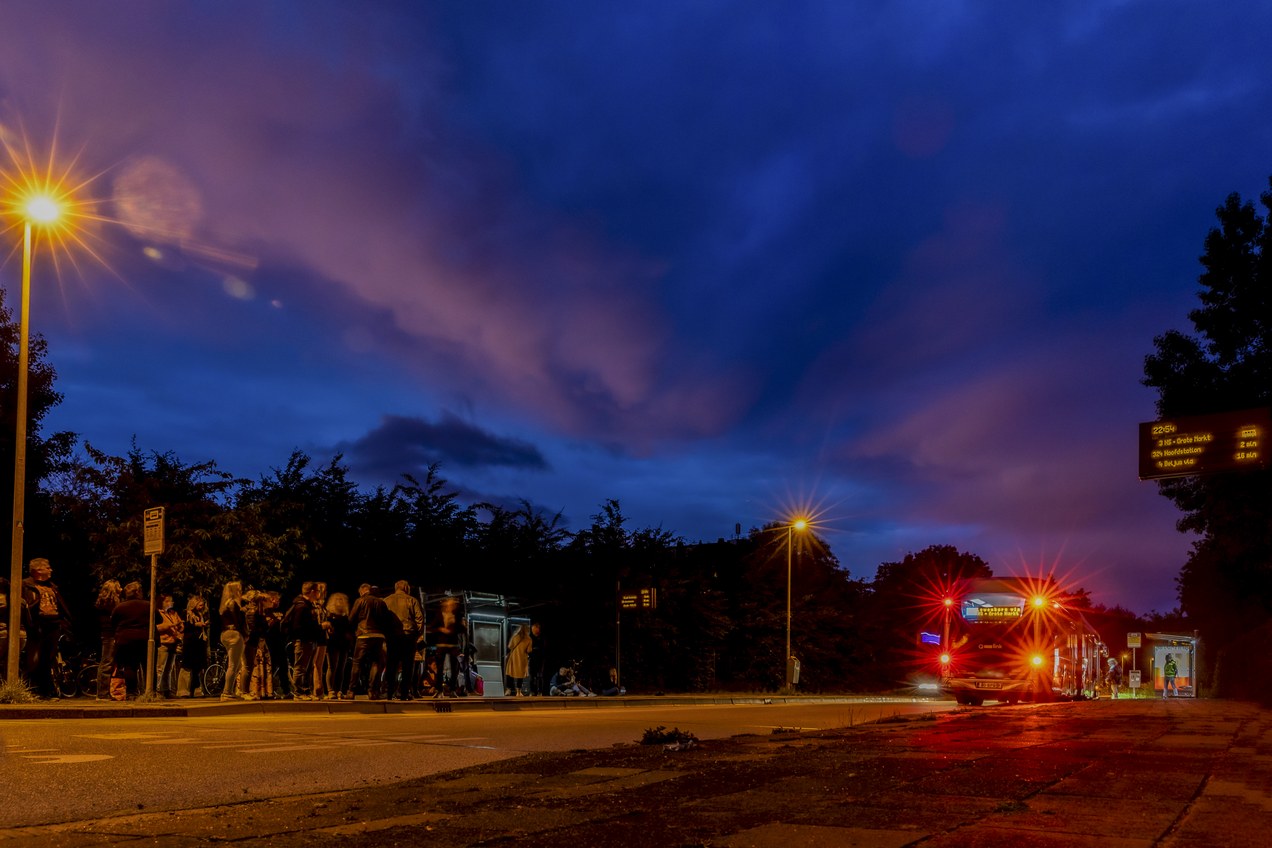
x=152, y=546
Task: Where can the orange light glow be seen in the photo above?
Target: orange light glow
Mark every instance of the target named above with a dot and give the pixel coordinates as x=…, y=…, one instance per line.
x=945, y=659
x=1039, y=601
x=949, y=602
x=1037, y=660
x=800, y=524
x=43, y=192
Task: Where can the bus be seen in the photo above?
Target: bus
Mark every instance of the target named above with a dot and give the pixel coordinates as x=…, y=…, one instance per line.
x=1015, y=639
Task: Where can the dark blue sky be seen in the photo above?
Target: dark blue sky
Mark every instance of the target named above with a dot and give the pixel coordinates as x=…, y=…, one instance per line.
x=901, y=262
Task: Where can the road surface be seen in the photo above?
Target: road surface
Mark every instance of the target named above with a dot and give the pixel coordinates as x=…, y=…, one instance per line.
x=77, y=769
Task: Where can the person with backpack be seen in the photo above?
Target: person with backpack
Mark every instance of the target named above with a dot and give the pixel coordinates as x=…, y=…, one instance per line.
x=1171, y=671
x=1114, y=677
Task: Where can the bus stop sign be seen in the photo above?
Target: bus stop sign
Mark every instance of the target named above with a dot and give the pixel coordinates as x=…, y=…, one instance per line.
x=152, y=531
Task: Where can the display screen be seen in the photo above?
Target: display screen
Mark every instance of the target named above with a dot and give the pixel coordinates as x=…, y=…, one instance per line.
x=992, y=607
x=1204, y=444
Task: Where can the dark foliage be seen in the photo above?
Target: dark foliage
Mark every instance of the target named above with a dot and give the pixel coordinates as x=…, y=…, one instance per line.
x=1225, y=587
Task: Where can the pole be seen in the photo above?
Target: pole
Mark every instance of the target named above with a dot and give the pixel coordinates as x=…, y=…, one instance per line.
x=790, y=536
x=618, y=630
x=150, y=645
x=19, y=463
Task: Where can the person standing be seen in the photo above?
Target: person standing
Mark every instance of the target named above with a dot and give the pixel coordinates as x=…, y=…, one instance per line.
x=517, y=667
x=445, y=638
x=168, y=630
x=233, y=636
x=1171, y=671
x=301, y=624
x=339, y=647
x=1114, y=677
x=401, y=648
x=370, y=620
x=130, y=622
x=320, y=649
x=194, y=647
x=538, y=661
x=107, y=599
x=49, y=614
x=468, y=658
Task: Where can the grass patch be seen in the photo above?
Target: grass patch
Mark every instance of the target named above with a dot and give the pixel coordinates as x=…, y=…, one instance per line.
x=660, y=735
x=16, y=692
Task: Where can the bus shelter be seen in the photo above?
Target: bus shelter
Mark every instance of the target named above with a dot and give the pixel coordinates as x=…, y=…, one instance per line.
x=492, y=619
x=1184, y=651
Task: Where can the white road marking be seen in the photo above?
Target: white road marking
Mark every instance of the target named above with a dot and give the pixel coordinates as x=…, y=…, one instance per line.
x=63, y=759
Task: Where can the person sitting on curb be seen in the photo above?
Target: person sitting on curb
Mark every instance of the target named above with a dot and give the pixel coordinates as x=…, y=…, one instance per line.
x=563, y=683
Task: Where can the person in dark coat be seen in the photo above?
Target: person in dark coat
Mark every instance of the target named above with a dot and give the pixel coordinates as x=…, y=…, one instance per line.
x=130, y=622
x=372, y=622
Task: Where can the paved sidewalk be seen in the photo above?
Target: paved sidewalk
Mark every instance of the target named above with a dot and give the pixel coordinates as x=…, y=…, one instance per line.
x=1120, y=774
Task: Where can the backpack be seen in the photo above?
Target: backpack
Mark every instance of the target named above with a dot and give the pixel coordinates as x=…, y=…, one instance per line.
x=292, y=626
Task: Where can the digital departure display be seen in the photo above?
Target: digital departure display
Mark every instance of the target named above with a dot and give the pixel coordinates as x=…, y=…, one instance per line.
x=1204, y=444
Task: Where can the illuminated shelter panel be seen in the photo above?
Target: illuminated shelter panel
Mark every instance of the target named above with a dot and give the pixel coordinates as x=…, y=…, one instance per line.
x=992, y=607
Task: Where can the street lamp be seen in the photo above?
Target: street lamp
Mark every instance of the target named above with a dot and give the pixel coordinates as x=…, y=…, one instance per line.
x=42, y=209
x=798, y=524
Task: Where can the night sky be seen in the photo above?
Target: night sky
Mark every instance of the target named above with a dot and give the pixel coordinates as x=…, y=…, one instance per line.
x=718, y=260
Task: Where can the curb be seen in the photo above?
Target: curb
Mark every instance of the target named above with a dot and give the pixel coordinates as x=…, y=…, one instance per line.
x=170, y=709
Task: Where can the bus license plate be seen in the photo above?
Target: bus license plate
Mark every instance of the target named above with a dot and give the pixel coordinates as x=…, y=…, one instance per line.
x=988, y=684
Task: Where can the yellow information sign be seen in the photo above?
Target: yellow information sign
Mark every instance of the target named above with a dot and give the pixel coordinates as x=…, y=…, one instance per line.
x=1204, y=444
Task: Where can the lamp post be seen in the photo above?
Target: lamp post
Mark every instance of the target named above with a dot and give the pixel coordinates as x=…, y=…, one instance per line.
x=38, y=209
x=798, y=524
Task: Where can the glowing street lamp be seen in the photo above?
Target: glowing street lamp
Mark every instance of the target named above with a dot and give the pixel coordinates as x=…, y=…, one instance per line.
x=42, y=209
x=798, y=524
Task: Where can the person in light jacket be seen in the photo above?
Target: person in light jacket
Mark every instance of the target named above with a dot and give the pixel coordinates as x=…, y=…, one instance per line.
x=517, y=668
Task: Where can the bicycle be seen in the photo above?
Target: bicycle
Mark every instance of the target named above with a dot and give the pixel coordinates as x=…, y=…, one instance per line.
x=214, y=674
x=66, y=672
x=87, y=676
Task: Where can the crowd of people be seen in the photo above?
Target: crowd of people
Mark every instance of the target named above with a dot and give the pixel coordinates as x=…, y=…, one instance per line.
x=325, y=645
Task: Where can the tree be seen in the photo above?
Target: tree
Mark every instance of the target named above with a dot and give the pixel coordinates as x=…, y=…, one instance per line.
x=1225, y=587
x=98, y=504
x=907, y=597
x=43, y=456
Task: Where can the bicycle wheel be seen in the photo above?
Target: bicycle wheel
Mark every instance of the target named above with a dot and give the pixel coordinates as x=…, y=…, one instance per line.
x=88, y=680
x=214, y=679
x=64, y=678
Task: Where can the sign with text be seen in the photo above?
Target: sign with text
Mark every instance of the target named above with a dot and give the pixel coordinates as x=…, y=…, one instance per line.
x=1204, y=444
x=640, y=599
x=1133, y=640
x=152, y=531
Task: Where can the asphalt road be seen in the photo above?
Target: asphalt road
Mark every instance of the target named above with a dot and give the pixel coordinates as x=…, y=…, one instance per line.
x=61, y=770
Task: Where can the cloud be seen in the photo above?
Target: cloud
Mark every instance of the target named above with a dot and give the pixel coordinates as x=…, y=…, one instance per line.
x=410, y=445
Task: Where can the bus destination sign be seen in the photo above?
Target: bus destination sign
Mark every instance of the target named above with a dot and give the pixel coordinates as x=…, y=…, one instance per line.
x=973, y=612
x=1204, y=444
